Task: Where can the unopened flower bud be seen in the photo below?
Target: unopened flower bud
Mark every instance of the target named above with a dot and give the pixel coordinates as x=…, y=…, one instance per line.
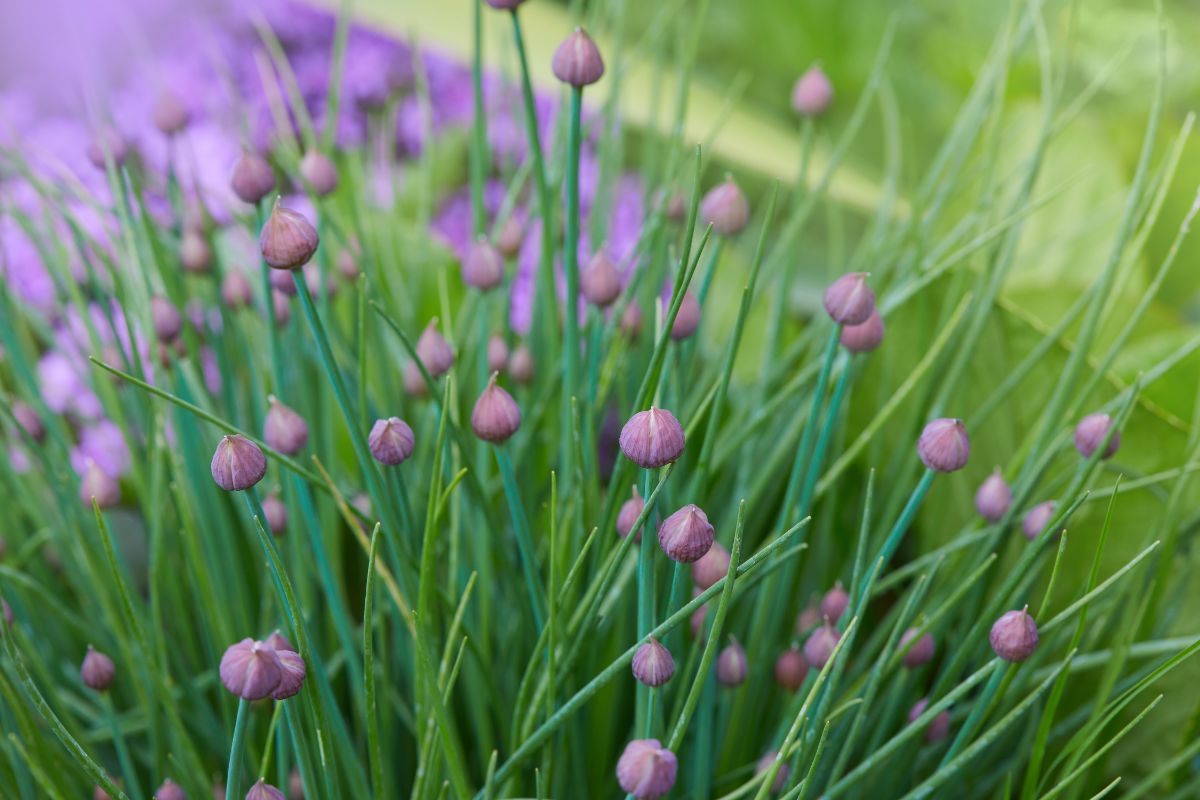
x=264, y=791
x=414, y=381
x=291, y=676
x=812, y=93
x=170, y=114
x=652, y=663
x=921, y=651
x=482, y=266
x=791, y=669
x=253, y=179
x=725, y=208
x=652, y=438
x=99, y=485
x=497, y=353
x=808, y=619
x=820, y=645
x=766, y=762
x=711, y=567
x=939, y=726
x=864, y=337
x=287, y=240
x=284, y=430
x=251, y=670
x=496, y=416
x=510, y=237
x=111, y=141
x=434, y=351
x=97, y=670
x=281, y=281
x=1014, y=636
x=276, y=513
x=238, y=463
x=1091, y=432
x=236, y=291
x=319, y=172
x=686, y=535
x=599, y=281
x=168, y=322
x=170, y=790
x=577, y=60
x=731, y=664
x=646, y=769
x=281, y=308
x=520, y=365
x=504, y=5
x=391, y=441
x=1037, y=518
x=279, y=642
x=627, y=517
x=834, y=603
x=687, y=319
x=347, y=266
x=849, y=300
x=195, y=256
x=944, y=446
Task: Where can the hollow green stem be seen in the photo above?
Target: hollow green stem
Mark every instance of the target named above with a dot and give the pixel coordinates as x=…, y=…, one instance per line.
x=234, y=773
x=521, y=530
x=571, y=272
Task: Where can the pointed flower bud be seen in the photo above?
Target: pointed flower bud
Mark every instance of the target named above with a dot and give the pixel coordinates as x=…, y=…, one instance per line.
x=731, y=664
x=939, y=726
x=482, y=266
x=766, y=762
x=168, y=322
x=276, y=513
x=319, y=172
x=170, y=790
x=170, y=114
x=496, y=416
x=820, y=644
x=195, y=256
x=29, y=420
x=264, y=791
x=281, y=308
x=100, y=485
x=251, y=670
x=993, y=497
x=652, y=663
x=1037, y=518
x=711, y=567
x=686, y=536
x=97, y=670
x=253, y=179
x=279, y=642
x=291, y=676
x=1091, y=432
x=944, y=446
x=652, y=438
x=434, y=351
x=284, y=430
x=287, y=240
x=1014, y=636
x=921, y=651
x=237, y=463
x=577, y=60
x=812, y=93
x=687, y=319
x=520, y=365
x=849, y=300
x=725, y=208
x=646, y=769
x=236, y=291
x=627, y=517
x=510, y=237
x=599, y=281
x=834, y=603
x=414, y=381
x=791, y=669
x=391, y=441
x=497, y=353
x=864, y=337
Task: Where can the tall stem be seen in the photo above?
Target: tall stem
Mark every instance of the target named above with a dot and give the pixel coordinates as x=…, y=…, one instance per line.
x=571, y=272
x=232, y=790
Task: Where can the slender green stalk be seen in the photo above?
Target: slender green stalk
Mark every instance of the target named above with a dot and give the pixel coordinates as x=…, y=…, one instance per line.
x=233, y=773
x=523, y=536
x=571, y=273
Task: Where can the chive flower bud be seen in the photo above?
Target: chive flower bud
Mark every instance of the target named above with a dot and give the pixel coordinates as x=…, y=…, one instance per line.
x=279, y=642
x=599, y=281
x=808, y=619
x=921, y=651
x=170, y=790
x=510, y=237
x=820, y=644
x=520, y=365
x=97, y=670
x=944, y=446
x=864, y=337
x=646, y=769
x=287, y=240
x=264, y=791
x=170, y=115
x=237, y=463
x=652, y=438
x=731, y=664
x=347, y=266
x=497, y=353
x=631, y=509
x=253, y=179
x=295, y=784
x=834, y=603
x=29, y=420
x=496, y=416
x=791, y=669
x=284, y=430
x=653, y=664
x=696, y=621
x=1014, y=636
x=283, y=311
x=676, y=207
x=1037, y=518
x=631, y=320
x=848, y=300
x=276, y=513
x=281, y=281
x=993, y=498
x=291, y=675
x=504, y=5
x=812, y=93
x=939, y=726
x=167, y=320
x=319, y=172
x=434, y=351
x=236, y=291
x=711, y=567
x=99, y=485
x=1091, y=432
x=111, y=140
x=195, y=256
x=414, y=381
x=687, y=319
x=686, y=535
x=725, y=208
x=577, y=60
x=482, y=266
x=391, y=441
x=251, y=670
x=781, y=777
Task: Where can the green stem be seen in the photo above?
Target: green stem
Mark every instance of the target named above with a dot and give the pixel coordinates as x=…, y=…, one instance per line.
x=521, y=529
x=135, y=789
x=571, y=273
x=232, y=788
x=645, y=610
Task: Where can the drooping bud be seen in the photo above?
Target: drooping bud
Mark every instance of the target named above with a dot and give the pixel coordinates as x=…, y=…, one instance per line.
x=627, y=517
x=812, y=93
x=97, y=670
x=520, y=365
x=1037, y=518
x=1091, y=432
x=253, y=179
x=834, y=603
x=291, y=676
x=170, y=790
x=766, y=762
x=577, y=60
x=284, y=430
x=646, y=769
x=864, y=337
x=276, y=513
x=168, y=322
x=849, y=300
x=391, y=441
x=791, y=669
x=319, y=172
x=687, y=319
x=195, y=256
x=820, y=645
x=496, y=416
x=944, y=445
x=921, y=651
x=939, y=726
x=287, y=240
x=100, y=485
x=993, y=497
x=170, y=114
x=711, y=567
x=236, y=291
x=652, y=663
x=497, y=353
x=434, y=351
x=725, y=208
x=652, y=438
x=110, y=140
x=631, y=320
x=731, y=664
x=599, y=281
x=237, y=463
x=686, y=536
x=251, y=670
x=264, y=791
x=482, y=266
x=29, y=420
x=1014, y=636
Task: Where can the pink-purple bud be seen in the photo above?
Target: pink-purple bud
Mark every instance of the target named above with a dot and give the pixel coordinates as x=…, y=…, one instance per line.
x=414, y=381
x=236, y=291
x=820, y=645
x=295, y=785
x=29, y=420
x=520, y=365
x=284, y=430
x=944, y=445
x=319, y=172
x=279, y=642
x=291, y=675
x=631, y=320
x=939, y=726
x=599, y=281
x=195, y=256
x=731, y=664
x=434, y=351
x=497, y=353
x=627, y=517
x=281, y=308
x=653, y=664
x=646, y=769
x=170, y=790
x=167, y=320
x=97, y=670
x=577, y=60
x=101, y=486
x=251, y=670
x=263, y=791
x=834, y=603
x=652, y=438
x=687, y=319
x=921, y=651
x=276, y=513
x=864, y=337
x=281, y=281
x=766, y=762
x=791, y=669
x=1014, y=636
x=110, y=140
x=510, y=237
x=711, y=567
x=812, y=93
x=725, y=208
x=287, y=240
x=504, y=5
x=1037, y=518
x=1091, y=432
x=238, y=463
x=496, y=416
x=686, y=536
x=482, y=266
x=253, y=179
x=808, y=619
x=170, y=114
x=849, y=300
x=391, y=441
x=993, y=498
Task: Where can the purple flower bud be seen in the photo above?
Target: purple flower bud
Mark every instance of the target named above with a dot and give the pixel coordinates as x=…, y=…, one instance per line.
x=731, y=664
x=292, y=673
x=1037, y=518
x=652, y=663
x=434, y=351
x=520, y=365
x=251, y=670
x=29, y=420
x=237, y=463
x=766, y=762
x=97, y=670
x=414, y=381
x=497, y=353
x=319, y=172
x=696, y=621
x=808, y=619
x=195, y=256
x=284, y=430
x=168, y=322
x=577, y=60
x=627, y=517
x=646, y=769
x=711, y=567
x=504, y=5
x=939, y=726
x=1014, y=636
x=685, y=536
x=631, y=320
x=236, y=291
x=834, y=603
x=170, y=791
x=496, y=416
x=283, y=311
x=676, y=208
x=652, y=438
x=110, y=140
x=170, y=116
x=812, y=93
x=347, y=266
x=1091, y=432
x=99, y=485
x=944, y=446
x=687, y=320
x=725, y=208
x=599, y=281
x=848, y=300
x=482, y=266
x=922, y=649
x=864, y=337
x=791, y=669
x=253, y=179
x=295, y=784
x=279, y=642
x=264, y=791
x=993, y=497
x=820, y=644
x=287, y=240
x=390, y=441
x=510, y=237
x=281, y=281
x=276, y=513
